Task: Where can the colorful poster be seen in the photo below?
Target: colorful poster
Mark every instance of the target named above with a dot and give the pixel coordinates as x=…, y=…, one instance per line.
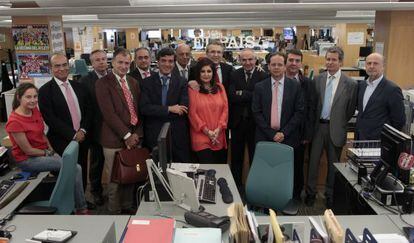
x=33, y=65
x=31, y=37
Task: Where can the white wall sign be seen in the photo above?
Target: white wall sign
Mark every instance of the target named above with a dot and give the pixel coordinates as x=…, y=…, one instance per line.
x=379, y=47
x=356, y=38
x=56, y=36
x=228, y=42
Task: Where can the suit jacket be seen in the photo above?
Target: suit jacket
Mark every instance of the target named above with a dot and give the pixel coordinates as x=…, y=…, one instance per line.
x=310, y=98
x=241, y=105
x=191, y=66
x=384, y=106
x=88, y=82
x=156, y=114
x=342, y=108
x=56, y=114
x=226, y=70
x=116, y=121
x=291, y=114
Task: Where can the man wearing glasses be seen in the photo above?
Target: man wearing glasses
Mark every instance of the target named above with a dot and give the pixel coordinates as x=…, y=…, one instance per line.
x=142, y=62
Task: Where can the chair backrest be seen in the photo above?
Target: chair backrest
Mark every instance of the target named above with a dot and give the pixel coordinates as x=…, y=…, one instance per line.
x=81, y=67
x=63, y=195
x=270, y=180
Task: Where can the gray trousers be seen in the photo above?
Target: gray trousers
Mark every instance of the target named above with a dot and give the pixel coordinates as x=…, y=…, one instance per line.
x=322, y=141
x=119, y=196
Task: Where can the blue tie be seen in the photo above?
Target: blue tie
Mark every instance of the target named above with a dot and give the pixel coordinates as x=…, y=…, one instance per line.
x=326, y=109
x=164, y=80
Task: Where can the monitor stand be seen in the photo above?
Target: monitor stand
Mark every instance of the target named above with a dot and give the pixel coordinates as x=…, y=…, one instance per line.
x=391, y=184
x=389, y=191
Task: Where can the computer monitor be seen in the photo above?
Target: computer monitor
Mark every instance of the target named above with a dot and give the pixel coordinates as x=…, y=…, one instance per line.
x=164, y=147
x=393, y=143
x=364, y=51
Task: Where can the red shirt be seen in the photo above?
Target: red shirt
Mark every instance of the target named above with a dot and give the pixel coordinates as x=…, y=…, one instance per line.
x=32, y=126
x=207, y=111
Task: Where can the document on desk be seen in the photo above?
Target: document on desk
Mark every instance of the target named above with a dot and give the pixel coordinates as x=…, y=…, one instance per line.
x=150, y=230
x=185, y=167
x=197, y=235
x=389, y=238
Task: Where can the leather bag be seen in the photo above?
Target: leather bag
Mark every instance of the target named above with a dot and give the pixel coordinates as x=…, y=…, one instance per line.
x=130, y=166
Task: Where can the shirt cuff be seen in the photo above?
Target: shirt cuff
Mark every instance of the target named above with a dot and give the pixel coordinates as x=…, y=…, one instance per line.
x=127, y=136
x=83, y=130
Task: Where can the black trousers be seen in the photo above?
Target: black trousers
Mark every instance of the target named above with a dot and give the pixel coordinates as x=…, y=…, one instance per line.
x=242, y=134
x=208, y=156
x=298, y=178
x=96, y=167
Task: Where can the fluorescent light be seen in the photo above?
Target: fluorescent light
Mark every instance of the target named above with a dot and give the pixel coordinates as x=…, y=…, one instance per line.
x=79, y=17
x=355, y=14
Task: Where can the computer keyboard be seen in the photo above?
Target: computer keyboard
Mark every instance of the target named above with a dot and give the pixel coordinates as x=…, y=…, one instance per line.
x=5, y=187
x=206, y=187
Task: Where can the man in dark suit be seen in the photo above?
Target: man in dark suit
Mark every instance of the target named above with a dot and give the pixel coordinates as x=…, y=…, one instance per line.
x=142, y=65
x=214, y=51
x=293, y=66
x=241, y=120
x=183, y=62
x=117, y=96
x=65, y=108
x=99, y=63
x=380, y=101
x=336, y=100
x=165, y=99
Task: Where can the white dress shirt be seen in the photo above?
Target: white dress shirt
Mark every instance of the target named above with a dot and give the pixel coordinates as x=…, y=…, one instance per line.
x=371, y=86
x=335, y=81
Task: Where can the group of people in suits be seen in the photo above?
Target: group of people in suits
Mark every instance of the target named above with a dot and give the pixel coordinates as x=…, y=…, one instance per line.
x=110, y=111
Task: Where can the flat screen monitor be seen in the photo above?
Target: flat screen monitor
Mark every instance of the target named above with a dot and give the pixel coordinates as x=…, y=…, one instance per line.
x=164, y=147
x=364, y=51
x=288, y=33
x=393, y=143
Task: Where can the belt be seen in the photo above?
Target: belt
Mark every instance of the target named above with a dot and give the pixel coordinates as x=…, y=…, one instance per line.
x=323, y=121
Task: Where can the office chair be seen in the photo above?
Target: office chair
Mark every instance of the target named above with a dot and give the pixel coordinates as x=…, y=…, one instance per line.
x=62, y=200
x=80, y=67
x=270, y=180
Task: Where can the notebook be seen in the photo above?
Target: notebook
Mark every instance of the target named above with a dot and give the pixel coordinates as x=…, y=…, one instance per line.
x=150, y=230
x=197, y=235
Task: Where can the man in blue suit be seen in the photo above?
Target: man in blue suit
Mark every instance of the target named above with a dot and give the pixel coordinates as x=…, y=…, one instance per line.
x=380, y=101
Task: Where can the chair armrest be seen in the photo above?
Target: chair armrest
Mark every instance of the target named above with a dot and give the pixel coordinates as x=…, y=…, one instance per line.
x=37, y=210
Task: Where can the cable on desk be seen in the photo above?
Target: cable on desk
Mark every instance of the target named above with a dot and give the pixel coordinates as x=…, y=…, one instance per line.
x=390, y=209
x=400, y=213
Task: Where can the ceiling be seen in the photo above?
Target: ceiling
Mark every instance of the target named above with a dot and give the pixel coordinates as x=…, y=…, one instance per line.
x=201, y=13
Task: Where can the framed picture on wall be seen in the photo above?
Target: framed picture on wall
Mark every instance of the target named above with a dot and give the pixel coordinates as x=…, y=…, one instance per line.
x=33, y=65
x=31, y=37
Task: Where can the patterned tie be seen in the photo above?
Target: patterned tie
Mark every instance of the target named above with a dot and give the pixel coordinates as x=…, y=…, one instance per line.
x=128, y=98
x=274, y=116
x=164, y=93
x=72, y=106
x=326, y=108
x=249, y=76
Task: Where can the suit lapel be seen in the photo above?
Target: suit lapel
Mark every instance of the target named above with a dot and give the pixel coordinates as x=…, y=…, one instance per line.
x=172, y=86
x=60, y=98
x=322, y=86
x=377, y=92
x=118, y=88
x=156, y=79
x=361, y=92
x=286, y=93
x=339, y=90
x=268, y=96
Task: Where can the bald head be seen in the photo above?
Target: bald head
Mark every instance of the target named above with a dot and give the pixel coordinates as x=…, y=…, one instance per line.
x=183, y=54
x=374, y=66
x=248, y=59
x=60, y=66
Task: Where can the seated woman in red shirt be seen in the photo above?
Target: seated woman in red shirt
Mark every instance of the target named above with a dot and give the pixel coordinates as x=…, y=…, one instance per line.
x=31, y=148
x=208, y=114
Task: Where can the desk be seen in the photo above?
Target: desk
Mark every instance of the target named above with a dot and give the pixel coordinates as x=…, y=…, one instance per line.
x=219, y=208
x=399, y=223
x=105, y=229
x=346, y=194
x=19, y=199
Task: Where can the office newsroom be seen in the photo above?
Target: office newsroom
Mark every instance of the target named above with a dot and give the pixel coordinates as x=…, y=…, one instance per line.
x=193, y=100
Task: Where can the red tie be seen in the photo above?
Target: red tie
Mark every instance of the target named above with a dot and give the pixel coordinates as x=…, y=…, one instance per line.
x=128, y=98
x=274, y=117
x=72, y=107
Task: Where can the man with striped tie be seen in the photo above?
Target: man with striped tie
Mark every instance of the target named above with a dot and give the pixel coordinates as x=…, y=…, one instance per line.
x=335, y=104
x=117, y=95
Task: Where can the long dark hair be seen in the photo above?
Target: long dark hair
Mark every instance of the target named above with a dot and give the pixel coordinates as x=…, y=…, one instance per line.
x=214, y=87
x=21, y=89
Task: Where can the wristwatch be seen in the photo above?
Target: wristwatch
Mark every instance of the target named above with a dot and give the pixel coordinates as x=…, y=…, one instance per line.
x=49, y=152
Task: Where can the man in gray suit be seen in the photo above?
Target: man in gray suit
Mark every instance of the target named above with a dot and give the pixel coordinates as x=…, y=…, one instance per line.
x=336, y=101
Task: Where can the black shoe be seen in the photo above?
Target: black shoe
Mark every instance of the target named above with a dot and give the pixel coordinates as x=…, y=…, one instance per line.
x=98, y=199
x=329, y=203
x=90, y=205
x=310, y=200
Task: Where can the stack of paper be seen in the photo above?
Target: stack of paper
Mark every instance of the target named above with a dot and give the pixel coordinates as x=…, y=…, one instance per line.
x=197, y=235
